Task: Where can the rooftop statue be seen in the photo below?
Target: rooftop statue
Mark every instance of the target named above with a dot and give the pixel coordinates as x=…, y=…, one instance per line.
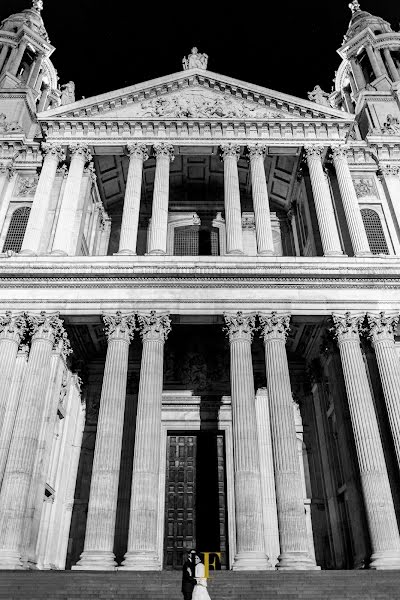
x=67, y=93
x=354, y=6
x=195, y=60
x=319, y=96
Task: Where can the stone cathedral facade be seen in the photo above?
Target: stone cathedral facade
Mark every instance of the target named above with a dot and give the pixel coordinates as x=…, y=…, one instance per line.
x=199, y=305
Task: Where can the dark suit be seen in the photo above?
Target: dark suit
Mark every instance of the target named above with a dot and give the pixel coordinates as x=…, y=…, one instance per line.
x=188, y=580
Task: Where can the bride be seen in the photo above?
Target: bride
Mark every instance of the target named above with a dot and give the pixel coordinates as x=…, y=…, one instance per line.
x=200, y=591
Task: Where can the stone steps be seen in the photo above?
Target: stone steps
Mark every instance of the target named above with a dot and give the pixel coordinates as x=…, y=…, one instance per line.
x=225, y=585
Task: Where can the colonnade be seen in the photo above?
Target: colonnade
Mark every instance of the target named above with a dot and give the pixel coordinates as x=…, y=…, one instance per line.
x=157, y=239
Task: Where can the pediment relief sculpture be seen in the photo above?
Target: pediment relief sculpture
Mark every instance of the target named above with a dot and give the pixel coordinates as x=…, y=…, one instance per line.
x=8, y=126
x=199, y=105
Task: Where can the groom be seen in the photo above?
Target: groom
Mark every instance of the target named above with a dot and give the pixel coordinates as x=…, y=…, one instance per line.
x=188, y=578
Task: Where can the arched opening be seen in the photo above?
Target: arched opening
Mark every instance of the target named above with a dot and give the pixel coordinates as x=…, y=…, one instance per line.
x=16, y=229
x=374, y=230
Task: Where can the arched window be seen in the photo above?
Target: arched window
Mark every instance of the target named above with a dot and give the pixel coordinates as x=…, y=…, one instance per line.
x=16, y=229
x=374, y=231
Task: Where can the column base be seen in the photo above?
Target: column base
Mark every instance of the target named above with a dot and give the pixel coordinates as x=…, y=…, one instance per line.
x=27, y=253
x=296, y=561
x=385, y=560
x=267, y=253
x=335, y=253
x=96, y=561
x=140, y=561
x=11, y=560
x=156, y=253
x=235, y=253
x=58, y=253
x=363, y=254
x=125, y=253
x=251, y=561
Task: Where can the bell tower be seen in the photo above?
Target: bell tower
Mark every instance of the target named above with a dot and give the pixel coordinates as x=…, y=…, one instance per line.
x=368, y=80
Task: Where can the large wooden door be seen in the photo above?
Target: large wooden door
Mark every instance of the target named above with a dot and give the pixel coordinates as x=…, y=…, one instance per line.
x=195, y=505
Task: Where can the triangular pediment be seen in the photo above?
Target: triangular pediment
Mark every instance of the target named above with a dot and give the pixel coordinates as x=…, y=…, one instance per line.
x=194, y=94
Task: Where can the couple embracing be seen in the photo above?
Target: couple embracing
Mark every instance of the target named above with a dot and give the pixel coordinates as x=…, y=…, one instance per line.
x=194, y=582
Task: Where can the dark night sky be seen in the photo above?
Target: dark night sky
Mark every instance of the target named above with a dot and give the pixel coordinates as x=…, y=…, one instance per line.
x=285, y=45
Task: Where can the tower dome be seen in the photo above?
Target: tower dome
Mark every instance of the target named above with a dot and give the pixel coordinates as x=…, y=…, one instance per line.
x=361, y=20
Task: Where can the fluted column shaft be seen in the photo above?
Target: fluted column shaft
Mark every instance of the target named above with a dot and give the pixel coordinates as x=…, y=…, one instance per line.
x=159, y=217
x=142, y=553
x=323, y=203
x=350, y=203
x=391, y=66
x=100, y=525
x=372, y=59
x=381, y=333
x=3, y=55
x=233, y=213
x=39, y=212
x=379, y=508
x=18, y=57
x=130, y=214
x=63, y=238
x=262, y=216
x=250, y=551
x=391, y=175
x=289, y=490
x=24, y=442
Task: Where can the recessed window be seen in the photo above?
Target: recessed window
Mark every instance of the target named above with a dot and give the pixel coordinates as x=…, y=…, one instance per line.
x=16, y=229
x=374, y=230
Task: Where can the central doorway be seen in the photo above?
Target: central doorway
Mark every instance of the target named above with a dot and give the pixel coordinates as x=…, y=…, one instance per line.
x=195, y=496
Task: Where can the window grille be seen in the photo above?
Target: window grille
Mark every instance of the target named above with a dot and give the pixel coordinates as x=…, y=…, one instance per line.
x=374, y=231
x=186, y=241
x=215, y=242
x=16, y=229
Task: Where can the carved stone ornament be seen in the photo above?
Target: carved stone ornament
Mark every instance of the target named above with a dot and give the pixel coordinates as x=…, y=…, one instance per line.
x=354, y=6
x=63, y=170
x=346, y=327
x=137, y=151
x=80, y=150
x=274, y=326
x=230, y=151
x=195, y=60
x=153, y=326
x=313, y=151
x=103, y=217
x=364, y=187
x=7, y=168
x=248, y=221
x=37, y=5
x=13, y=327
x=27, y=186
x=49, y=326
x=319, y=96
x=390, y=170
x=196, y=104
x=53, y=150
x=256, y=151
x=8, y=126
x=164, y=151
x=119, y=326
x=382, y=327
x=339, y=151
x=91, y=171
x=239, y=326
x=391, y=126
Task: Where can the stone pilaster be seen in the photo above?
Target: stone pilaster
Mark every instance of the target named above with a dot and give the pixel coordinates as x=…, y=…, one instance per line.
x=379, y=508
x=288, y=484
x=233, y=214
x=130, y=216
x=99, y=540
x=46, y=330
x=350, y=202
x=142, y=553
x=53, y=154
x=164, y=154
x=323, y=202
x=391, y=177
x=7, y=171
x=250, y=549
x=394, y=73
x=64, y=236
x=262, y=216
x=381, y=333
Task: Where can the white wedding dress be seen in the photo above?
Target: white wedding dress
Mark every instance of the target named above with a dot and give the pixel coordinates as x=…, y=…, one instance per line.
x=200, y=591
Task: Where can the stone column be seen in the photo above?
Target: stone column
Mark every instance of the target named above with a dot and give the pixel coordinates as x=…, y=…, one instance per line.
x=267, y=477
x=372, y=59
x=233, y=214
x=62, y=244
x=358, y=74
x=159, y=218
x=12, y=330
x=35, y=71
x=142, y=554
x=3, y=55
x=323, y=202
x=250, y=549
x=390, y=64
x=46, y=329
x=262, y=216
x=381, y=333
x=39, y=212
x=288, y=484
x=130, y=215
x=379, y=508
x=18, y=57
x=100, y=526
x=391, y=176
x=350, y=202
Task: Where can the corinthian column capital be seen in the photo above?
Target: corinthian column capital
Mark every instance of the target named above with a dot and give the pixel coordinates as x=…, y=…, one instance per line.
x=346, y=327
x=136, y=150
x=274, y=326
x=153, y=326
x=390, y=170
x=230, y=151
x=239, y=327
x=256, y=151
x=339, y=151
x=81, y=151
x=49, y=326
x=119, y=326
x=13, y=327
x=382, y=326
x=164, y=151
x=313, y=151
x=54, y=150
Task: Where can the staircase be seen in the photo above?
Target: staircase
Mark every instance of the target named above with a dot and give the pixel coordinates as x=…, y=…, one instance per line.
x=225, y=585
